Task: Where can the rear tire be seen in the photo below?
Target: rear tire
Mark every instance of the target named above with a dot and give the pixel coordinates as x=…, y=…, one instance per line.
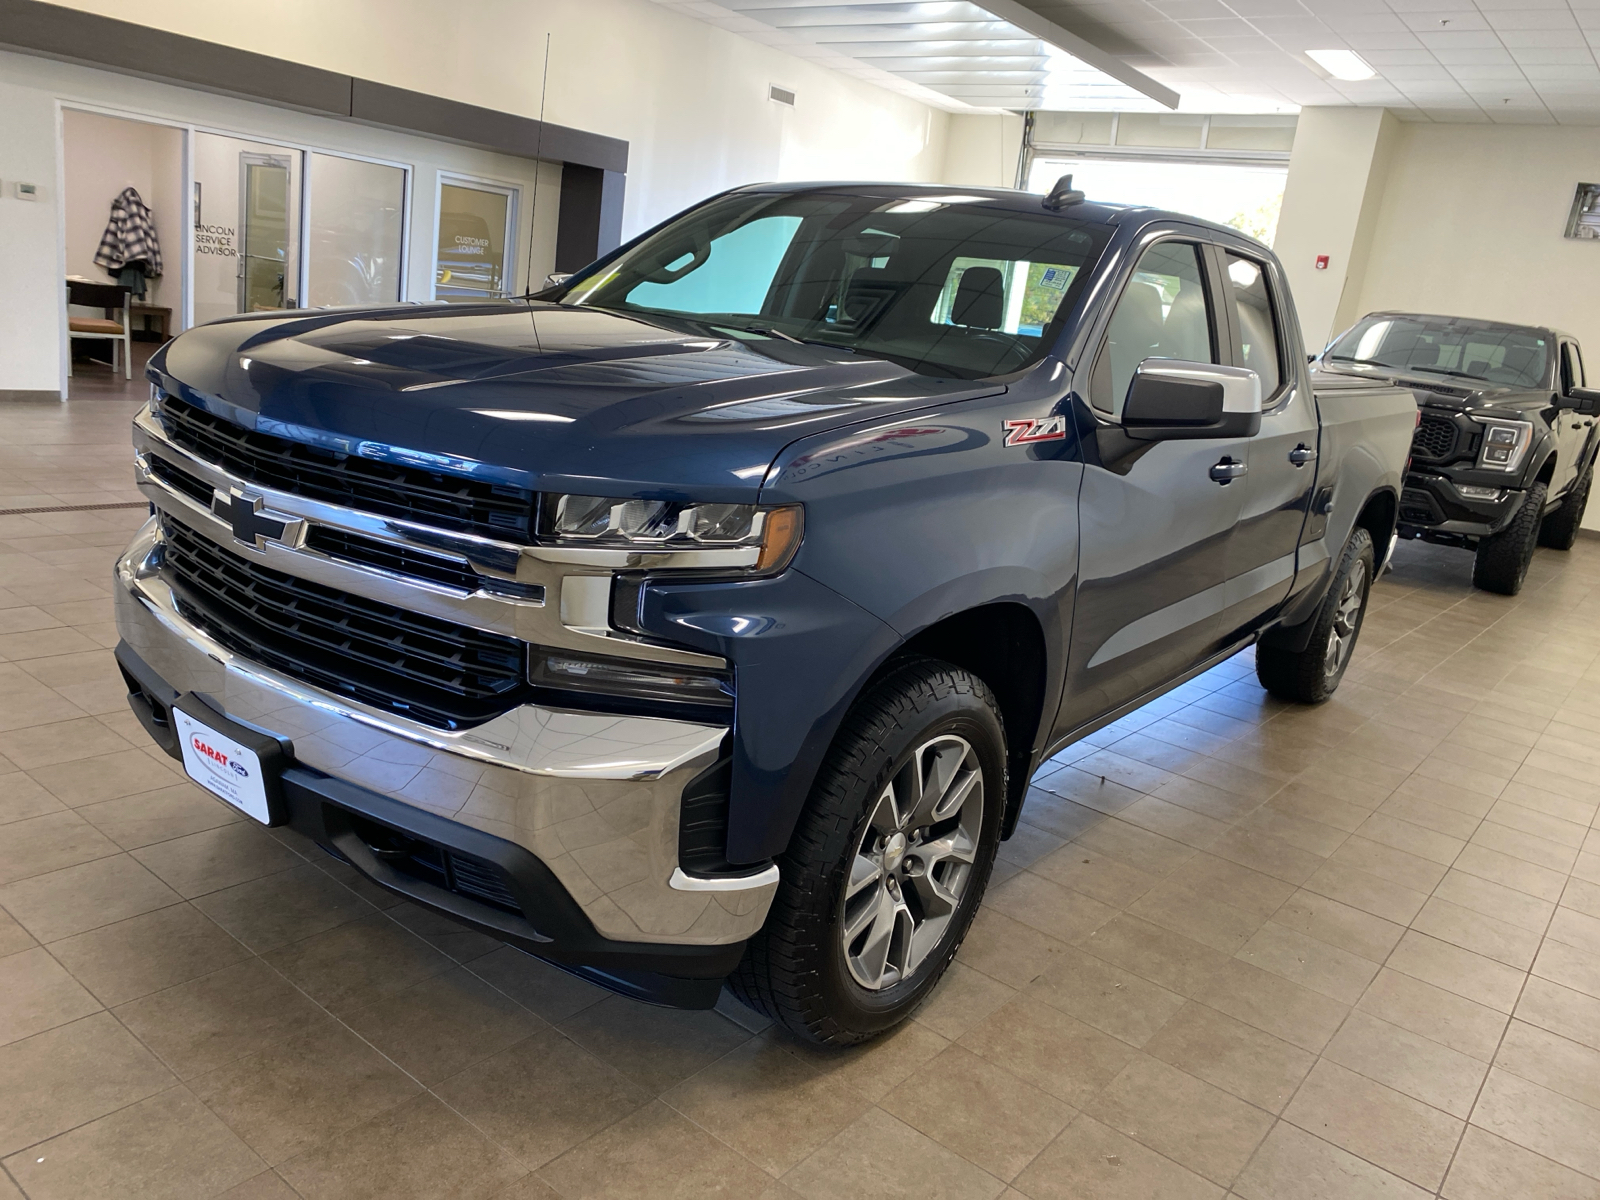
x=889, y=860
x=1560, y=529
x=1503, y=560
x=1311, y=675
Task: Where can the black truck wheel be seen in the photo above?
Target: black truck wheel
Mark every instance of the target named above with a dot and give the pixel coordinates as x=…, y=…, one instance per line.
x=1560, y=529
x=1310, y=676
x=889, y=861
x=1502, y=562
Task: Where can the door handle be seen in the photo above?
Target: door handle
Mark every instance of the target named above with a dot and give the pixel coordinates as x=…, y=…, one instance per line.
x=1229, y=469
x=1302, y=454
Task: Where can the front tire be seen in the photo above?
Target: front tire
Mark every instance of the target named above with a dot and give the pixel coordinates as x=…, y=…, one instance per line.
x=889, y=861
x=1502, y=561
x=1311, y=675
x=1559, y=530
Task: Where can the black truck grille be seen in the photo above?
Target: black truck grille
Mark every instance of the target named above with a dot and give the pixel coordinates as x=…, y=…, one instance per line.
x=388, y=556
x=1435, y=439
x=192, y=486
x=434, y=671
x=411, y=493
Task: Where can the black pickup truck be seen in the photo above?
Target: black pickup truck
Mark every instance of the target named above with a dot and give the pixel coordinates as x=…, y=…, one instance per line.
x=705, y=617
x=1503, y=457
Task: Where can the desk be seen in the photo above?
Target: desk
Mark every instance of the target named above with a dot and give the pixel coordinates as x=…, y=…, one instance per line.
x=147, y=311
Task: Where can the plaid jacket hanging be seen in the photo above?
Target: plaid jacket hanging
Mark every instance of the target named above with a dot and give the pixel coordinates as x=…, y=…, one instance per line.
x=130, y=236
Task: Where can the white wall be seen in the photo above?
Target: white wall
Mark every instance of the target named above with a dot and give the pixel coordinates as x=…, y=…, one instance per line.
x=689, y=98
x=32, y=296
x=1471, y=224
x=981, y=150
x=102, y=156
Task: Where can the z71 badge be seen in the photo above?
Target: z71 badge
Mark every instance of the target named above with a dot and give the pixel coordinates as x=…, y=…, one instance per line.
x=1026, y=430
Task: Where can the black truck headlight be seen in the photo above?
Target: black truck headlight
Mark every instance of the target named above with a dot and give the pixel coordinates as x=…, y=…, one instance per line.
x=1504, y=443
x=677, y=533
x=624, y=679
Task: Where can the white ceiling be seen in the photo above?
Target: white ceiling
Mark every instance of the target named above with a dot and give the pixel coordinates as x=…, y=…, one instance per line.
x=950, y=53
x=1517, y=61
x=1508, y=61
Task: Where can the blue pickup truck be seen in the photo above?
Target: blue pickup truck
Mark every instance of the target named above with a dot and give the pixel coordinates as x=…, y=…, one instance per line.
x=701, y=619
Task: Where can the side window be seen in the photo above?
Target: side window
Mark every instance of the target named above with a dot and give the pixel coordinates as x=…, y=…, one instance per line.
x=1162, y=314
x=729, y=274
x=1571, y=367
x=1258, y=323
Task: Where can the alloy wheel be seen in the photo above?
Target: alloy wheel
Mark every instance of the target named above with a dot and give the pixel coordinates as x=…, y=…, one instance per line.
x=1342, y=637
x=913, y=863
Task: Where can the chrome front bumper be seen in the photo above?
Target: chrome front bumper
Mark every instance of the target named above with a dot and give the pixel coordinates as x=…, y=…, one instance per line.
x=595, y=797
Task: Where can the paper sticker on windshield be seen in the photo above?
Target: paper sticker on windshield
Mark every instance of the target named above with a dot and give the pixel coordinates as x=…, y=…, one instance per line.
x=1055, y=277
x=1028, y=430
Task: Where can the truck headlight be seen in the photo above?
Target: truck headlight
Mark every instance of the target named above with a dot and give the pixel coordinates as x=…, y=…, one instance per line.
x=762, y=540
x=1504, y=443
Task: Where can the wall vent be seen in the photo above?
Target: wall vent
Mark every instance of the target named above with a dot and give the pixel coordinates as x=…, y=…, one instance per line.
x=781, y=95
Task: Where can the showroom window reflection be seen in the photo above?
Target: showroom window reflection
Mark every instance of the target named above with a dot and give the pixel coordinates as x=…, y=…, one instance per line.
x=1245, y=197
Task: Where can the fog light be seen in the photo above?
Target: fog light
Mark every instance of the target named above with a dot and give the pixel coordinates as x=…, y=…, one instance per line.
x=629, y=678
x=1471, y=492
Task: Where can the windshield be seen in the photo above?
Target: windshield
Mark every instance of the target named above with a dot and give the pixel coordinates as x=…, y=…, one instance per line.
x=941, y=285
x=1507, y=355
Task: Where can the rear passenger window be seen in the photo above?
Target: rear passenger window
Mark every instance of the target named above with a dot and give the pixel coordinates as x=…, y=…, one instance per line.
x=1162, y=314
x=1258, y=323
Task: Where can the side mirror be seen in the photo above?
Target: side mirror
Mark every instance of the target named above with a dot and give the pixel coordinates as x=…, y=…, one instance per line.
x=1583, y=401
x=1171, y=399
x=557, y=279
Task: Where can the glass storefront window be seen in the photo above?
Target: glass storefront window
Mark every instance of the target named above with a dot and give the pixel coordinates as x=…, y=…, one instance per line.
x=357, y=231
x=475, y=257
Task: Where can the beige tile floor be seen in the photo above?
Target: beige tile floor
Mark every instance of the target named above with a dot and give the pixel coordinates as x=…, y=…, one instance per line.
x=1236, y=949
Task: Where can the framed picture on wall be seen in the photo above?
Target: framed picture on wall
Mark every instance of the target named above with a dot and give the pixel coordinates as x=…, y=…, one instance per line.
x=1583, y=222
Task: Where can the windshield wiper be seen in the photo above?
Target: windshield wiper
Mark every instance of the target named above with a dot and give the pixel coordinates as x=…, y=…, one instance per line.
x=1448, y=371
x=772, y=332
x=1399, y=369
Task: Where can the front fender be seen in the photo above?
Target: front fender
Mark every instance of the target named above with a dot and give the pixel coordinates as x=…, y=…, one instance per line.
x=801, y=653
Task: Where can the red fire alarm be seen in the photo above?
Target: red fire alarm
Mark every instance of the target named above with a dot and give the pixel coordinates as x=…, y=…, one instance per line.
x=1322, y=262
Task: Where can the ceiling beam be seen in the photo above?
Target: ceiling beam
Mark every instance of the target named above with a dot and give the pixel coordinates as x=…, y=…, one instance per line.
x=1086, y=52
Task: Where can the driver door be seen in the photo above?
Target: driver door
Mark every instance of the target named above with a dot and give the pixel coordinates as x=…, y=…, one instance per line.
x=1155, y=516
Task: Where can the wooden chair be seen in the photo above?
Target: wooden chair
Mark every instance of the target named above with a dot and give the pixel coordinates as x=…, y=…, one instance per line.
x=108, y=297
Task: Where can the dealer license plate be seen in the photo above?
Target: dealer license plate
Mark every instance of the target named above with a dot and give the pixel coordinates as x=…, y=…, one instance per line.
x=223, y=767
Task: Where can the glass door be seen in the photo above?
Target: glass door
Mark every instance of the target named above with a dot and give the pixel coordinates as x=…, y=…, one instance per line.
x=246, y=226
x=475, y=253
x=264, y=233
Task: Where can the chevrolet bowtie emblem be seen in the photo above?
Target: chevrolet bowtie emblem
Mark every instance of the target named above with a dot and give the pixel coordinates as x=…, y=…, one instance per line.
x=253, y=524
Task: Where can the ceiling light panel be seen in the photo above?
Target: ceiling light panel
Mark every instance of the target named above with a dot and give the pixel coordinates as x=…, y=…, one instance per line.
x=1342, y=64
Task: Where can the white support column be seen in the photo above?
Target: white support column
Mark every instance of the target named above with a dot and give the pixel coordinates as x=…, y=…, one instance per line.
x=1337, y=174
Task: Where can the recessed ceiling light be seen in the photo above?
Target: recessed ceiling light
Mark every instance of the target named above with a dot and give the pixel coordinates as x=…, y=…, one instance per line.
x=1342, y=64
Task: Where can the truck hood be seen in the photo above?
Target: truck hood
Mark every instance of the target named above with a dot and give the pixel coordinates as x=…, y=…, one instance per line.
x=1457, y=395
x=539, y=395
